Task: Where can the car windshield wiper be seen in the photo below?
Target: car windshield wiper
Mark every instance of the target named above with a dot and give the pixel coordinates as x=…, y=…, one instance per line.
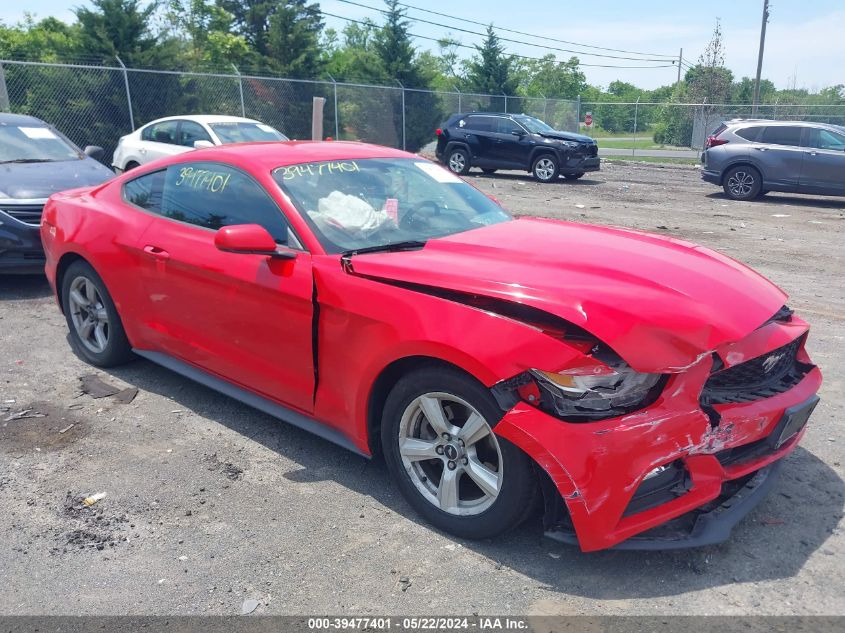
x=392, y=247
x=29, y=160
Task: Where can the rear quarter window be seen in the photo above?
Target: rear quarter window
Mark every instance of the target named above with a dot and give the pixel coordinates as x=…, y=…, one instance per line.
x=750, y=133
x=145, y=191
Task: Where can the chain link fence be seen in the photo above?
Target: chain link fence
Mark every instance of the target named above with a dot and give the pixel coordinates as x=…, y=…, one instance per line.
x=687, y=125
x=96, y=105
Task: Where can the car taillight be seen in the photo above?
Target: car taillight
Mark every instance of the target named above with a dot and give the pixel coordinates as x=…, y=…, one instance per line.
x=438, y=132
x=713, y=141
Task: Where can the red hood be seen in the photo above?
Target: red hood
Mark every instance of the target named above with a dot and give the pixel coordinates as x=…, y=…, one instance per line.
x=658, y=302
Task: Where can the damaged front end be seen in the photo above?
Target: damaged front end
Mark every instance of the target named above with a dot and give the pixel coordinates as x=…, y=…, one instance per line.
x=663, y=460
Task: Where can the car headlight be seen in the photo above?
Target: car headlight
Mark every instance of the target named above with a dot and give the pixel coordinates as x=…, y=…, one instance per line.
x=578, y=397
x=571, y=144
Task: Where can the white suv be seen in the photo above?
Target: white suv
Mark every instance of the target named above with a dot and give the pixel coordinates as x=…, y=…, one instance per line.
x=177, y=134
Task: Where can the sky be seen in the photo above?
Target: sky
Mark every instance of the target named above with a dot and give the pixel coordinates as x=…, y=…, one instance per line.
x=805, y=46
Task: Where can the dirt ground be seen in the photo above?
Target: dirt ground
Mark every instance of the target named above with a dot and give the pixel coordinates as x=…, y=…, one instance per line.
x=210, y=503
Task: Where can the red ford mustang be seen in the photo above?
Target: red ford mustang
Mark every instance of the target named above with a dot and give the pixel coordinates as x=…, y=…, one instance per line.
x=643, y=388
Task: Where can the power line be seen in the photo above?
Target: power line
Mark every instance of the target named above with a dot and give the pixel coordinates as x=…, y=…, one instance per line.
x=459, y=45
x=506, y=39
x=541, y=37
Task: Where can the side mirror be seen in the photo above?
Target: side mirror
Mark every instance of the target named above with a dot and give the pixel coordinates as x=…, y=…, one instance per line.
x=518, y=133
x=249, y=239
x=202, y=144
x=94, y=151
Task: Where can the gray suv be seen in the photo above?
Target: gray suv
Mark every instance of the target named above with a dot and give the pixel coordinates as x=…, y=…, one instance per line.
x=749, y=158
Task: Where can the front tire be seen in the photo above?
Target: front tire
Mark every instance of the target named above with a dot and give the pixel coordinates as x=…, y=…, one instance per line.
x=96, y=331
x=545, y=168
x=742, y=183
x=447, y=462
x=458, y=161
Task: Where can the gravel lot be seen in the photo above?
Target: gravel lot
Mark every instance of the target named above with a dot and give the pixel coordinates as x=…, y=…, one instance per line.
x=210, y=503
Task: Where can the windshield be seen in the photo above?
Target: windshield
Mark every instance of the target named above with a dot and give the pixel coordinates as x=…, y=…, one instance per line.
x=33, y=144
x=245, y=132
x=535, y=126
x=353, y=204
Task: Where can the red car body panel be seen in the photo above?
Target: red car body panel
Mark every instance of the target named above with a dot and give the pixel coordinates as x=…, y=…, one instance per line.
x=315, y=335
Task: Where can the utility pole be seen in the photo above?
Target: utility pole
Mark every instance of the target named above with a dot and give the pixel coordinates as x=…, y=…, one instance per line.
x=756, y=102
x=680, y=62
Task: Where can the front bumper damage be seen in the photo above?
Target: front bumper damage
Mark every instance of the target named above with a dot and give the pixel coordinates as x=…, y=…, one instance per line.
x=718, y=460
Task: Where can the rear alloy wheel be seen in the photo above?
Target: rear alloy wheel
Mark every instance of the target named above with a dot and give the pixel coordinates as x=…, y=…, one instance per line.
x=441, y=450
x=96, y=331
x=545, y=168
x=458, y=161
x=742, y=183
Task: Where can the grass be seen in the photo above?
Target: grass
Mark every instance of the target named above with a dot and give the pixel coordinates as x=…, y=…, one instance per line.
x=652, y=159
x=640, y=143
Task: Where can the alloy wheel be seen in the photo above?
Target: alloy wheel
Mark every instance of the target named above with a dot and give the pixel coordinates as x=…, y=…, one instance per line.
x=89, y=315
x=544, y=169
x=741, y=183
x=450, y=454
x=457, y=162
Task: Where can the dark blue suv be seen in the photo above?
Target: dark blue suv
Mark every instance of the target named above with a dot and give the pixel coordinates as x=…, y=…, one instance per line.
x=492, y=140
x=36, y=161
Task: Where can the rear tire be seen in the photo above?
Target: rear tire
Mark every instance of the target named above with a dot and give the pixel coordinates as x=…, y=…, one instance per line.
x=130, y=166
x=742, y=183
x=545, y=168
x=458, y=161
x=439, y=474
x=96, y=331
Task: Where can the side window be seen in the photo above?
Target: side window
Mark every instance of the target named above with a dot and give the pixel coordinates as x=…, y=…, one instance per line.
x=212, y=195
x=164, y=132
x=191, y=131
x=825, y=139
x=781, y=135
x=506, y=126
x=480, y=123
x=145, y=191
x=750, y=133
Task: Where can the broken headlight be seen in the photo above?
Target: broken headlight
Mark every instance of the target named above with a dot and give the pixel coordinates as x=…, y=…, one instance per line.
x=581, y=398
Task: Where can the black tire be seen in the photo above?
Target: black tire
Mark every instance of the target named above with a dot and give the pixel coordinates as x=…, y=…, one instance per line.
x=518, y=488
x=130, y=166
x=580, y=174
x=545, y=168
x=458, y=161
x=742, y=182
x=117, y=350
x=488, y=170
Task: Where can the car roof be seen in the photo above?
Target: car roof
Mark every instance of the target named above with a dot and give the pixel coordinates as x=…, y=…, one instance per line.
x=206, y=118
x=271, y=154
x=20, y=119
x=773, y=123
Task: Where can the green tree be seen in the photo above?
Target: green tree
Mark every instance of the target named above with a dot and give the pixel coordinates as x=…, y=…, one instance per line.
x=293, y=39
x=122, y=28
x=490, y=71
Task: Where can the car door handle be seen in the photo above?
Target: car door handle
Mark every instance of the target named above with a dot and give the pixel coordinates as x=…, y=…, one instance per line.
x=141, y=150
x=158, y=253
x=761, y=149
x=813, y=153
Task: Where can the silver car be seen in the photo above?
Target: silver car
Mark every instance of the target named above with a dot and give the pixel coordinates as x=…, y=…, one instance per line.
x=749, y=158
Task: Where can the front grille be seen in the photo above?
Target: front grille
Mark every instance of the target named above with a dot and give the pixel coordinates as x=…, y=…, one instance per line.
x=767, y=375
x=28, y=213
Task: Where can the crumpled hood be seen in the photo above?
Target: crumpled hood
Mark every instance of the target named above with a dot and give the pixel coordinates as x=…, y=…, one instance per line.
x=661, y=303
x=35, y=181
x=567, y=136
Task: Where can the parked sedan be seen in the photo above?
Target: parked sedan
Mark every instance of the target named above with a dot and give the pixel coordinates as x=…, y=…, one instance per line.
x=749, y=158
x=177, y=134
x=36, y=160
x=635, y=381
